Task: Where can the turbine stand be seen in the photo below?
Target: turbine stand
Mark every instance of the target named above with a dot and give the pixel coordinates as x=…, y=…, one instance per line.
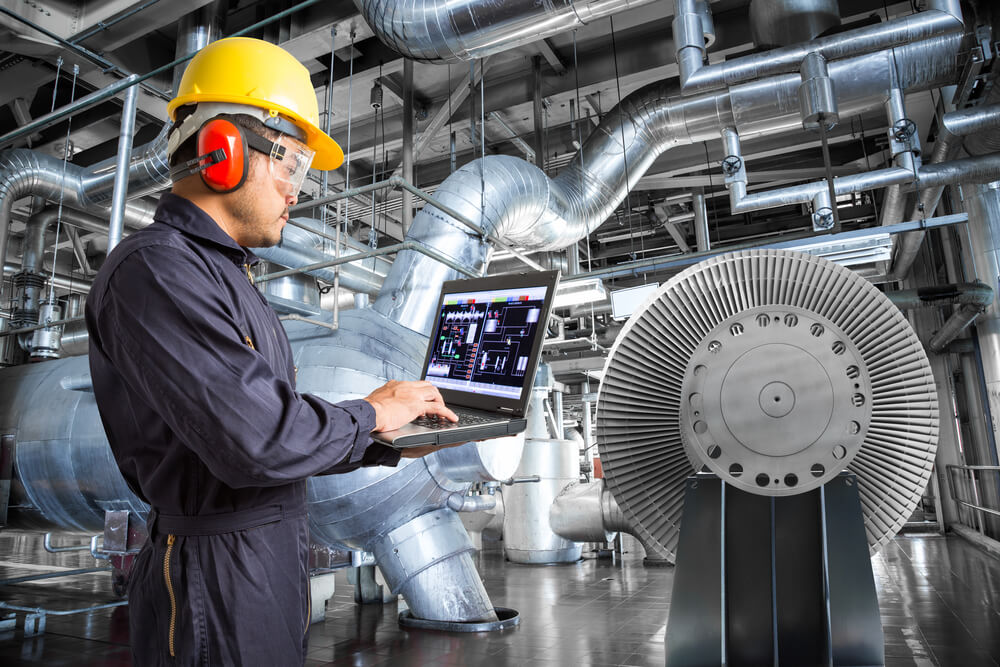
x=765, y=580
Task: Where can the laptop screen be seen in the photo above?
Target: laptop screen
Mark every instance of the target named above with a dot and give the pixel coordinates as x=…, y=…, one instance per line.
x=484, y=339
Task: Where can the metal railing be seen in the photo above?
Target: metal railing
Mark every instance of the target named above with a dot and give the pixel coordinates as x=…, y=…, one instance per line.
x=975, y=489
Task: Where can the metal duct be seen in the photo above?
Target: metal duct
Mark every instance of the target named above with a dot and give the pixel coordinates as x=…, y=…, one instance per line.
x=776, y=370
x=954, y=125
x=299, y=247
x=526, y=208
x=940, y=18
x=451, y=31
x=783, y=22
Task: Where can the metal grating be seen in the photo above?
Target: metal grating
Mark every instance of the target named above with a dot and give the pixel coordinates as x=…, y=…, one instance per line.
x=641, y=437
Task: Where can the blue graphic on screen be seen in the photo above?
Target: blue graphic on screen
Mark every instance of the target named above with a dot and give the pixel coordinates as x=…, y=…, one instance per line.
x=483, y=340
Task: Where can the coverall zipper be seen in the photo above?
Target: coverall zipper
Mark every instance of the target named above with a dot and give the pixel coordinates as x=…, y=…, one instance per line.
x=170, y=591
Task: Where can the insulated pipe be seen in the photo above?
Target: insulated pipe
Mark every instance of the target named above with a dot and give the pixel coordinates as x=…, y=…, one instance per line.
x=954, y=126
x=975, y=293
x=125, y=136
x=957, y=323
x=457, y=30
x=942, y=17
x=526, y=208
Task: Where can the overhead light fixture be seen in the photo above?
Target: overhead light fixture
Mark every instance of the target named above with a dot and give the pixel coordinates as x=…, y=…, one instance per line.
x=849, y=252
x=576, y=292
x=624, y=302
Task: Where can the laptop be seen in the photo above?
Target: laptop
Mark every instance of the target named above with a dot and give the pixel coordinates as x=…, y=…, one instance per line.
x=482, y=355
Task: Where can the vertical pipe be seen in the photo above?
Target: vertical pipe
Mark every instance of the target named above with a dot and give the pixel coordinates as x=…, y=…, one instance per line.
x=125, y=137
x=195, y=31
x=407, y=218
x=700, y=220
x=324, y=181
x=982, y=203
x=536, y=70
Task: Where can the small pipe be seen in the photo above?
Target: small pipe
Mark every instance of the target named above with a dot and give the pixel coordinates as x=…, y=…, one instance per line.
x=942, y=17
x=57, y=323
x=702, y=240
x=299, y=318
x=101, y=26
x=125, y=136
x=47, y=545
x=975, y=293
x=387, y=250
x=463, y=503
x=407, y=217
x=958, y=321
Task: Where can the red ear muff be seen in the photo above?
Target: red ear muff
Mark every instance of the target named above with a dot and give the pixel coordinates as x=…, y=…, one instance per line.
x=231, y=173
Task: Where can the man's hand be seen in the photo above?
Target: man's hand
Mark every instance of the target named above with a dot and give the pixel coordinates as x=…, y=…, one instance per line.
x=397, y=403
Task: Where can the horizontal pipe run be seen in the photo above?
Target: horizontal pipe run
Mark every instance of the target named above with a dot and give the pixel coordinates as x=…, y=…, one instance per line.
x=944, y=19
x=979, y=169
x=976, y=293
x=53, y=575
x=57, y=323
x=679, y=262
x=807, y=191
x=300, y=318
x=378, y=252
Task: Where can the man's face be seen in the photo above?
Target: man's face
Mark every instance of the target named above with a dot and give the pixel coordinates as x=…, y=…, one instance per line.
x=260, y=207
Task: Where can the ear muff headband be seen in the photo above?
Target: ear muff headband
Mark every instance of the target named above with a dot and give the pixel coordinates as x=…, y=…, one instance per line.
x=229, y=174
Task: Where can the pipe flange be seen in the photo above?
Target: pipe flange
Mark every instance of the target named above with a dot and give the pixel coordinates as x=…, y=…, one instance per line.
x=776, y=401
x=507, y=618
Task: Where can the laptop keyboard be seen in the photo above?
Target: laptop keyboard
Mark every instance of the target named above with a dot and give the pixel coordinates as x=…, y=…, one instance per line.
x=464, y=419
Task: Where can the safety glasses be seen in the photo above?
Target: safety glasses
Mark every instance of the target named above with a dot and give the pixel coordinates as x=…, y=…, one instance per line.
x=289, y=161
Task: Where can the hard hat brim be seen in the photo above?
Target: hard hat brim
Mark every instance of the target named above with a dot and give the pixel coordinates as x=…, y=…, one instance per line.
x=329, y=155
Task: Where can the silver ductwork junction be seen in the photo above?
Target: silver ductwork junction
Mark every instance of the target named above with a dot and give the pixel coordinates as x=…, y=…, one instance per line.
x=776, y=370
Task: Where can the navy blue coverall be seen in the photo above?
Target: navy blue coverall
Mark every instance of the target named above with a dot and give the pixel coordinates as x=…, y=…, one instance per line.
x=195, y=384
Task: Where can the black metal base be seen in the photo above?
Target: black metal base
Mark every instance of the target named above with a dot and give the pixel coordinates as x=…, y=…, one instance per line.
x=766, y=581
x=507, y=618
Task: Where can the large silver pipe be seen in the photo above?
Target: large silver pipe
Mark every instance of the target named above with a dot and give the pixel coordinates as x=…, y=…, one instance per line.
x=953, y=127
x=456, y=30
x=195, y=31
x=125, y=136
x=299, y=247
x=942, y=17
x=526, y=208
x=782, y=22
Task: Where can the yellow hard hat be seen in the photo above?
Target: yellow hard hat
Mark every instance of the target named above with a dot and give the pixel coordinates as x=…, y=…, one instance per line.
x=242, y=70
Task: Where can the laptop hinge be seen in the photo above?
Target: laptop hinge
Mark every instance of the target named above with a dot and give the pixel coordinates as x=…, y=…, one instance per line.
x=508, y=410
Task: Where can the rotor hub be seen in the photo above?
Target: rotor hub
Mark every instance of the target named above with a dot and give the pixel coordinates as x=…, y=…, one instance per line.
x=775, y=401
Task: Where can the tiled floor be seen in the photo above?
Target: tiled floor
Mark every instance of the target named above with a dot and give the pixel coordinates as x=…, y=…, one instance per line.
x=939, y=598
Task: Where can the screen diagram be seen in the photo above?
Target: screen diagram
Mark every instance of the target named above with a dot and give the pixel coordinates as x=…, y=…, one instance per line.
x=483, y=340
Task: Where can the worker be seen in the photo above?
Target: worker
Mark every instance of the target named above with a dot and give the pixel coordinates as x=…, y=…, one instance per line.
x=194, y=376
